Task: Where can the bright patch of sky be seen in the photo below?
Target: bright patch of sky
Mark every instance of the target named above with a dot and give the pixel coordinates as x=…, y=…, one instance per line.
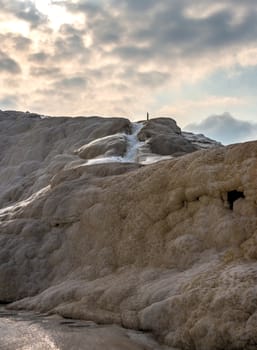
x=56, y=14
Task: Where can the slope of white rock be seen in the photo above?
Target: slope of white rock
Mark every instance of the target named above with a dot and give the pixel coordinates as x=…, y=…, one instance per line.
x=168, y=248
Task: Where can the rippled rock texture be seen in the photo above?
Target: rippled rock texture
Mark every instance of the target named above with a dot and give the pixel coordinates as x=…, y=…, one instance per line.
x=168, y=247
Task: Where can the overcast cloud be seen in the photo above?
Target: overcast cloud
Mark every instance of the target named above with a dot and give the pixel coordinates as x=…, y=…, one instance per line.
x=9, y=65
x=24, y=10
x=126, y=57
x=225, y=128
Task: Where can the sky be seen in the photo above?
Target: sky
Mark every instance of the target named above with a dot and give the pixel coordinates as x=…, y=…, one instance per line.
x=192, y=60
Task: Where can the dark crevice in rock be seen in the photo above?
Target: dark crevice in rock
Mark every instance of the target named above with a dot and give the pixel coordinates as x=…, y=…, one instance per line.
x=5, y=302
x=232, y=196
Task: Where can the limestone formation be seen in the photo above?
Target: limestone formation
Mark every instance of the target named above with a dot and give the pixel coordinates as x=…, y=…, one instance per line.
x=164, y=137
x=168, y=248
x=114, y=145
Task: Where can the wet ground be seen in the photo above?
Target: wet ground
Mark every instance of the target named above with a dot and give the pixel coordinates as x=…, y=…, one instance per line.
x=20, y=330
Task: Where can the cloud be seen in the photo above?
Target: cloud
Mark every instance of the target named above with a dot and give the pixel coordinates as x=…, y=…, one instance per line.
x=175, y=35
x=69, y=43
x=45, y=71
x=8, y=101
x=171, y=33
x=148, y=79
x=20, y=42
x=23, y=10
x=225, y=128
x=7, y=64
x=135, y=5
x=76, y=82
x=16, y=41
x=39, y=57
x=103, y=26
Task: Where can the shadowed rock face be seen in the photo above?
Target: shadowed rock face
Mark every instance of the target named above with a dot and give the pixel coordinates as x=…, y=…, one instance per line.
x=174, y=145
x=157, y=126
x=165, y=138
x=165, y=247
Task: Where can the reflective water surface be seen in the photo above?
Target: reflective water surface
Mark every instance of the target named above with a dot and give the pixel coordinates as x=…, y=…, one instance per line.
x=21, y=330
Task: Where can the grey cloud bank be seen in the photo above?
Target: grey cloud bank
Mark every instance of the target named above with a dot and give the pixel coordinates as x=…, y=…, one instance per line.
x=146, y=30
x=7, y=64
x=24, y=10
x=225, y=128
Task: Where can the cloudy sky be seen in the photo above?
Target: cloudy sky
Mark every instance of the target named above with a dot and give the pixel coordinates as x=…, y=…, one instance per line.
x=194, y=60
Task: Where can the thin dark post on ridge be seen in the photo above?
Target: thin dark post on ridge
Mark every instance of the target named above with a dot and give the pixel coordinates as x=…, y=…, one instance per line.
x=147, y=116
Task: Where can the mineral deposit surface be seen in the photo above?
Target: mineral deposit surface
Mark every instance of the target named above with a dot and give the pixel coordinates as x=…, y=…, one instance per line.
x=168, y=247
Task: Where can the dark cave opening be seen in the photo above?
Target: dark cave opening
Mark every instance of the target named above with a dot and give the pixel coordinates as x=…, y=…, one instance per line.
x=233, y=196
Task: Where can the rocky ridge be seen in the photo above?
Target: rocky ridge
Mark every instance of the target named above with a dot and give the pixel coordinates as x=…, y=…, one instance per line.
x=168, y=247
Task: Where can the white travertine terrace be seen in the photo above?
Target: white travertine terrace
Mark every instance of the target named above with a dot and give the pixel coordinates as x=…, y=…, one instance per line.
x=168, y=247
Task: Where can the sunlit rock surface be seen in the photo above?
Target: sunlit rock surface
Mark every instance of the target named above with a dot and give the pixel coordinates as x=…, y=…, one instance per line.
x=168, y=248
